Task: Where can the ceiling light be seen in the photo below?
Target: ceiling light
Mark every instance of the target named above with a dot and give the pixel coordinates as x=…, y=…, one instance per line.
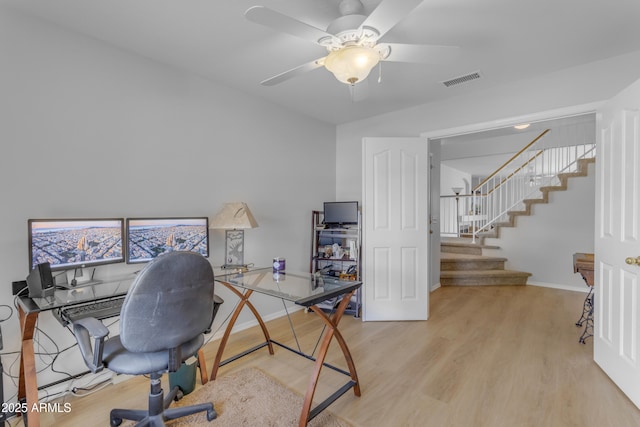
x=352, y=64
x=522, y=126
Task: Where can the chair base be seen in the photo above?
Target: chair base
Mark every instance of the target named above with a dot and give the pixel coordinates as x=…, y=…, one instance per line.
x=159, y=410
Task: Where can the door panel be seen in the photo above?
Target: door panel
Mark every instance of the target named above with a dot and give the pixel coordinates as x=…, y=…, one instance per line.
x=617, y=293
x=395, y=229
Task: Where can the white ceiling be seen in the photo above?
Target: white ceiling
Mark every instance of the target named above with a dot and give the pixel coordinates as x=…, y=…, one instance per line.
x=506, y=40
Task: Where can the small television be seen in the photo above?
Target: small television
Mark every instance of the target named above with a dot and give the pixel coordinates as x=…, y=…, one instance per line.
x=340, y=213
x=75, y=243
x=147, y=238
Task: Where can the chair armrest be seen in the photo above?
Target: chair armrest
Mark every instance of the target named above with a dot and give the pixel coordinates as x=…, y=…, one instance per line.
x=85, y=330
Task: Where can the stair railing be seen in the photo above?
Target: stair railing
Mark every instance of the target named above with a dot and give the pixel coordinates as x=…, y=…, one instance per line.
x=535, y=166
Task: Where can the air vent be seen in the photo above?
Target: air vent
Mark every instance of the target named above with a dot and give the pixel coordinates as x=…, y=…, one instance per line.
x=462, y=79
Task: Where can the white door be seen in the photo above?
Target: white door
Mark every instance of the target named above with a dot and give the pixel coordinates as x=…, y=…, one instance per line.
x=617, y=286
x=396, y=229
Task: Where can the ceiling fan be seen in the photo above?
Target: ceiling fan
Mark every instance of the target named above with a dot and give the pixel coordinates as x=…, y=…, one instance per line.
x=352, y=40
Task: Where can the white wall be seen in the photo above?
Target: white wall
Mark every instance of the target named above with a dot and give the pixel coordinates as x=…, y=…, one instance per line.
x=451, y=178
x=544, y=243
x=88, y=130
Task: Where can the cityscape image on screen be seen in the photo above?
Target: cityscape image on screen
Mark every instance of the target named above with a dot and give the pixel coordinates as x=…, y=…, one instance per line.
x=71, y=243
x=148, y=238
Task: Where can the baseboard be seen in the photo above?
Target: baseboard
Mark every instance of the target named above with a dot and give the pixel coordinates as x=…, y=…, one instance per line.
x=583, y=289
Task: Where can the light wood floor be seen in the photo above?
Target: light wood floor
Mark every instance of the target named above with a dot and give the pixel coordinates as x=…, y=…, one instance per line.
x=488, y=356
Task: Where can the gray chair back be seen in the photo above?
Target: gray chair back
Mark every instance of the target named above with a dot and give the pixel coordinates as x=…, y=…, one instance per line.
x=169, y=303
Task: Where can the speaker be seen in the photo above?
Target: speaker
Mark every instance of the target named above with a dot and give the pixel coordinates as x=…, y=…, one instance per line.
x=40, y=281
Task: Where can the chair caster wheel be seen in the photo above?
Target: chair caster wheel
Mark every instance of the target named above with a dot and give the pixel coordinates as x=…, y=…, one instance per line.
x=179, y=395
x=211, y=415
x=115, y=422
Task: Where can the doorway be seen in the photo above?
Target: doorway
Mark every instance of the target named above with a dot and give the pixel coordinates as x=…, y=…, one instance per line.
x=477, y=150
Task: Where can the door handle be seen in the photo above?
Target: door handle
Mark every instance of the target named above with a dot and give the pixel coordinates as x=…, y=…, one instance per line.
x=633, y=261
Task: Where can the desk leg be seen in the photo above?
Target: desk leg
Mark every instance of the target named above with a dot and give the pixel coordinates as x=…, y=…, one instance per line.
x=330, y=332
x=586, y=307
x=202, y=364
x=588, y=327
x=244, y=300
x=28, y=383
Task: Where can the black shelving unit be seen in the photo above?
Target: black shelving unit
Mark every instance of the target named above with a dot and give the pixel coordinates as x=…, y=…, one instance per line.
x=345, y=264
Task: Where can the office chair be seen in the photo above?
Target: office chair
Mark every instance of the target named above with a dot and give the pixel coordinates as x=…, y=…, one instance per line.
x=167, y=308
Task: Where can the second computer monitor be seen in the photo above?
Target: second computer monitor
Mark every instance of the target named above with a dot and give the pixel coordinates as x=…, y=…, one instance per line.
x=147, y=238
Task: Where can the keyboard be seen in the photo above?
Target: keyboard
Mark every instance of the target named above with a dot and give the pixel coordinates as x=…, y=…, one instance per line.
x=98, y=309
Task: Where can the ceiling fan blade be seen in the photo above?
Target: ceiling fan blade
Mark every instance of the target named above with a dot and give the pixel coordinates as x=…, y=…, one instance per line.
x=304, y=68
x=420, y=53
x=279, y=22
x=388, y=14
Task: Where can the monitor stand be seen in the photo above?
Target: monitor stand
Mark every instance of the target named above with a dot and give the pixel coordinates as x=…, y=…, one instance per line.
x=69, y=286
x=61, y=282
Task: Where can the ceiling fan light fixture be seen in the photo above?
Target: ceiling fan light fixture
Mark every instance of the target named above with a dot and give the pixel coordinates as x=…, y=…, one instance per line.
x=352, y=64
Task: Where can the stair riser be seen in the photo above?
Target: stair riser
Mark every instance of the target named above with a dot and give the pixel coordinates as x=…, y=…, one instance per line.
x=471, y=265
x=483, y=281
x=460, y=249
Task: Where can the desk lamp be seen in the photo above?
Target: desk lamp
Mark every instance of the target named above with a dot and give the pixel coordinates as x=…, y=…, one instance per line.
x=234, y=217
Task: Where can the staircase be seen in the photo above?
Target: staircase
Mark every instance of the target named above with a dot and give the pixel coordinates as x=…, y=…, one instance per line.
x=563, y=178
x=462, y=262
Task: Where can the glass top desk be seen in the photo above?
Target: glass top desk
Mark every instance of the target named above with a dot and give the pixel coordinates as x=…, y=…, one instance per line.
x=28, y=311
x=307, y=290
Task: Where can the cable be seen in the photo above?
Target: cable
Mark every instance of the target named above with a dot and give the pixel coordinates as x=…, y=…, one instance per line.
x=95, y=388
x=10, y=312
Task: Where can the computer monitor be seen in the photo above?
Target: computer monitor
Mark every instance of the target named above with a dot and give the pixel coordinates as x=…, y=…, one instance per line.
x=340, y=213
x=75, y=243
x=147, y=238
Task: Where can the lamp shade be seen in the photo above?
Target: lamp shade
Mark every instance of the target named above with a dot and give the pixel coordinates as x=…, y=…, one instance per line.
x=352, y=64
x=233, y=215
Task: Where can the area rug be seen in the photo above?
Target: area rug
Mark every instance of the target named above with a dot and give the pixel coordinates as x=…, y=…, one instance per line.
x=250, y=398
